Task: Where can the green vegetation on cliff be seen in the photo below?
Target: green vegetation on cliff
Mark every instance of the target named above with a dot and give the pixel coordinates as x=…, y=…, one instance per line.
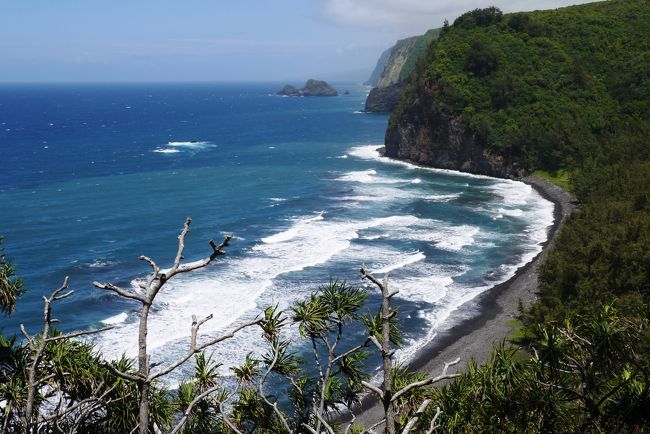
x=539, y=89
x=418, y=51
x=566, y=93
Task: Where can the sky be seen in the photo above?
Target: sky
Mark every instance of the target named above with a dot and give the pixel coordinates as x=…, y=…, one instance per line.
x=215, y=40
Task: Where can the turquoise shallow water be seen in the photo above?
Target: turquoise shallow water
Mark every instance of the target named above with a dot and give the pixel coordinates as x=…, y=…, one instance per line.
x=92, y=176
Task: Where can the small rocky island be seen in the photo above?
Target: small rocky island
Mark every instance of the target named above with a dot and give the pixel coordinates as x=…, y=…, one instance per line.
x=312, y=88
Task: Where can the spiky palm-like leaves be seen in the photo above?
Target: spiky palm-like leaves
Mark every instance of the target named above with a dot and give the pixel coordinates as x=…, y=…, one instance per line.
x=11, y=287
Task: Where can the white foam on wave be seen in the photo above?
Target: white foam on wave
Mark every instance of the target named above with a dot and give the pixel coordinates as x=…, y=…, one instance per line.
x=501, y=212
x=371, y=152
x=407, y=260
x=176, y=147
x=441, y=197
x=294, y=231
x=444, y=236
x=230, y=291
x=100, y=263
x=512, y=192
x=380, y=193
x=192, y=144
x=116, y=319
x=368, y=177
x=416, y=181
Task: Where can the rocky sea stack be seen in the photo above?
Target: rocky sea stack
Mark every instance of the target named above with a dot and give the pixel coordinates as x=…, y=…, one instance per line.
x=312, y=88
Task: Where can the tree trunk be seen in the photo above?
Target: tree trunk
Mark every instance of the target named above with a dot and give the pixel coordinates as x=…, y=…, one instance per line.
x=143, y=370
x=387, y=358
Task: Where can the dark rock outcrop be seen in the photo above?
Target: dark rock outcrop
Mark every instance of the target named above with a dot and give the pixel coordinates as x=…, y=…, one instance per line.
x=312, y=88
x=434, y=141
x=383, y=99
x=289, y=91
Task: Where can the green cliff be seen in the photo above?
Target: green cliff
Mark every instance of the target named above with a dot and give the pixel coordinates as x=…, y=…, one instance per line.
x=506, y=94
x=566, y=92
x=394, y=66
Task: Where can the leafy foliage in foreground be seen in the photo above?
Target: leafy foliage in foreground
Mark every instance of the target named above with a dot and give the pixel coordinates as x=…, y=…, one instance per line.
x=585, y=375
x=10, y=286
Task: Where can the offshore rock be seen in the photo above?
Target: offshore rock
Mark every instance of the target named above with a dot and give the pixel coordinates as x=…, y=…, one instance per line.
x=311, y=88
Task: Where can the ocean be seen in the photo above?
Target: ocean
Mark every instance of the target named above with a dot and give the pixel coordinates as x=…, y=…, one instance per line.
x=94, y=175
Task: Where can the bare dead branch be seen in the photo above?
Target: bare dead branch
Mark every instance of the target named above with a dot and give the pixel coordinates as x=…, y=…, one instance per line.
x=61, y=297
x=79, y=333
x=376, y=390
x=375, y=342
x=195, y=347
x=372, y=427
x=30, y=339
x=427, y=381
x=94, y=398
x=327, y=426
x=419, y=412
x=124, y=375
x=351, y=423
x=350, y=351
x=190, y=406
x=260, y=386
x=369, y=277
x=61, y=288
x=432, y=425
x=310, y=429
x=181, y=243
x=124, y=293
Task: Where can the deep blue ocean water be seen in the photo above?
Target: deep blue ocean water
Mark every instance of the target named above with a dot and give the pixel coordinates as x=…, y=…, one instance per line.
x=92, y=176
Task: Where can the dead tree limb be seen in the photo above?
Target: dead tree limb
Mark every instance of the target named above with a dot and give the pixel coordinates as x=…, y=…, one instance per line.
x=154, y=283
x=385, y=394
x=38, y=346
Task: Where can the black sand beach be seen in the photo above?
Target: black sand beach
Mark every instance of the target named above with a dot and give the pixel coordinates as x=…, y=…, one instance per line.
x=494, y=310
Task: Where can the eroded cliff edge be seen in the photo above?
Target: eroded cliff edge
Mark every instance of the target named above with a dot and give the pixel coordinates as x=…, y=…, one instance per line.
x=444, y=143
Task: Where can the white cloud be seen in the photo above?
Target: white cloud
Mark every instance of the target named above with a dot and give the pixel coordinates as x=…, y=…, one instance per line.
x=416, y=16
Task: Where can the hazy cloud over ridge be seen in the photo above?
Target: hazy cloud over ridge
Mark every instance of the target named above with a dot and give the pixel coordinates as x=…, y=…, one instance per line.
x=419, y=15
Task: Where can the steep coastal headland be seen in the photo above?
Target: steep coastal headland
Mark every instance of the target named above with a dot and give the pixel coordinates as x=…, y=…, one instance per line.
x=504, y=95
x=393, y=68
x=564, y=93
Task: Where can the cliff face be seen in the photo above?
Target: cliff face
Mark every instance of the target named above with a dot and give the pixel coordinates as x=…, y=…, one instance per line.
x=395, y=62
x=392, y=70
x=383, y=97
x=375, y=76
x=503, y=95
x=444, y=143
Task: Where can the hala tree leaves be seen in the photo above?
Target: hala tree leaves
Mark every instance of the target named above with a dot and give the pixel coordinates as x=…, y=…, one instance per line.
x=11, y=287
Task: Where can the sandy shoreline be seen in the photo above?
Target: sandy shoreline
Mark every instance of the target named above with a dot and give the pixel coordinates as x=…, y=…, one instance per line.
x=489, y=315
